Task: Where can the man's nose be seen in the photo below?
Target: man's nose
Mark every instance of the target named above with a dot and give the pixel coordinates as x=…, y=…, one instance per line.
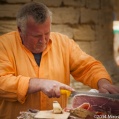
x=42, y=39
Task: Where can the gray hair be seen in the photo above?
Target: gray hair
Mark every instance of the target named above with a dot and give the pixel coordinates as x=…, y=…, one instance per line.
x=38, y=11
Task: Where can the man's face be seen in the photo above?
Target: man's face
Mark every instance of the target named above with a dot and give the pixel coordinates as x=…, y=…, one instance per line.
x=36, y=36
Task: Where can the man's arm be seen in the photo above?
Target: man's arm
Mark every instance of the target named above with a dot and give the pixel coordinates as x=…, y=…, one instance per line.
x=85, y=68
x=49, y=87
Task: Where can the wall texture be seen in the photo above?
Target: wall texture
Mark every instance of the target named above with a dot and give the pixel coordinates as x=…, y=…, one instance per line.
x=88, y=22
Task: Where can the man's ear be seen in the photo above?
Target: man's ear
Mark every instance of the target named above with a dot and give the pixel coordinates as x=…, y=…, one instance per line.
x=20, y=32
x=19, y=29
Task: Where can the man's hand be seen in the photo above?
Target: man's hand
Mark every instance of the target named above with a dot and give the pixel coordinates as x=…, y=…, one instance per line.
x=106, y=87
x=49, y=87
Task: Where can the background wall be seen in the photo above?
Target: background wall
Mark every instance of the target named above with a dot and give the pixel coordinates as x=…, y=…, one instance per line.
x=88, y=22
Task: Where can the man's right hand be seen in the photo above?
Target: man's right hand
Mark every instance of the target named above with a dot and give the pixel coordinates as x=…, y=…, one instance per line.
x=49, y=87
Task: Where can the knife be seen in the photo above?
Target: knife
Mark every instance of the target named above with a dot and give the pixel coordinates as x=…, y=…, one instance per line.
x=73, y=93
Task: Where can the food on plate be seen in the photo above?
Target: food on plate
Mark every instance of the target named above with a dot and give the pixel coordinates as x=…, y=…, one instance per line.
x=57, y=108
x=82, y=111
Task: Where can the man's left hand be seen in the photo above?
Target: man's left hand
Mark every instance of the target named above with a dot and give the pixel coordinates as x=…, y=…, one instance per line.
x=106, y=87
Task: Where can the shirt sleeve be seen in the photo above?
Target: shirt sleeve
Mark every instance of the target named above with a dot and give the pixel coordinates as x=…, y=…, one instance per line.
x=85, y=68
x=12, y=87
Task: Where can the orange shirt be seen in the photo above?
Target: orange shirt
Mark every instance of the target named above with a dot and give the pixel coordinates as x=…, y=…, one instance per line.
x=61, y=58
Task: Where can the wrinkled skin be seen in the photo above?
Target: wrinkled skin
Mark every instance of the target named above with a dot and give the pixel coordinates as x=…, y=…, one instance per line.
x=36, y=36
x=50, y=87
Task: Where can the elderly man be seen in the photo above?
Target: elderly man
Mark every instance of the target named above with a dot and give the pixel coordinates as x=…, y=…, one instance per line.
x=35, y=64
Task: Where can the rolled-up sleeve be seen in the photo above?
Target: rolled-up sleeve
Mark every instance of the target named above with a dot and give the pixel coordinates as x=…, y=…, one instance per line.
x=12, y=87
x=85, y=68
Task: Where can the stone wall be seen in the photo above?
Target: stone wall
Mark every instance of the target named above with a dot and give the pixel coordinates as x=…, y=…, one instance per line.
x=88, y=22
x=115, y=4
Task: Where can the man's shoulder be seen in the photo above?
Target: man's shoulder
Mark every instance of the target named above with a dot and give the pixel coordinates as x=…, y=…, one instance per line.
x=59, y=37
x=57, y=34
x=8, y=35
x=9, y=38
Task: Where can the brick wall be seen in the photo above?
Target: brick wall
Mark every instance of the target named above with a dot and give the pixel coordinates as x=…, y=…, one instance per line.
x=88, y=22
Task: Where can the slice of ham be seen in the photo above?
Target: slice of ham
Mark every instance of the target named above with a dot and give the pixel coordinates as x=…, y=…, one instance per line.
x=98, y=103
x=85, y=106
x=82, y=111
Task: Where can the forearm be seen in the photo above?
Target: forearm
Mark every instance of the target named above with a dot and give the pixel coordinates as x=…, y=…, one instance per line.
x=13, y=88
x=49, y=87
x=89, y=71
x=34, y=85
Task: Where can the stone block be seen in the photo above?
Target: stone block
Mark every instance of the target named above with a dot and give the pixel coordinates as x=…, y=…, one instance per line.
x=93, y=4
x=115, y=4
x=9, y=10
x=106, y=4
x=105, y=16
x=101, y=50
x=84, y=33
x=100, y=30
x=65, y=15
x=79, y=3
x=104, y=32
x=50, y=2
x=18, y=1
x=85, y=46
x=112, y=68
x=64, y=29
x=89, y=16
x=7, y=26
